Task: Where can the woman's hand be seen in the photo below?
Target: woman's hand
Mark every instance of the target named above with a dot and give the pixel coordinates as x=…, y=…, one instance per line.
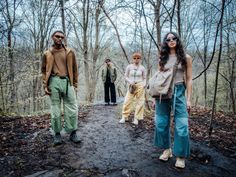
x=47, y=92
x=153, y=104
x=189, y=106
x=132, y=83
x=189, y=81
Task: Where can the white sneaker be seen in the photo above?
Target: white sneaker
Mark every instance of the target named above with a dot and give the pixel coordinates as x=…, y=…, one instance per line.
x=166, y=155
x=180, y=162
x=135, y=121
x=122, y=120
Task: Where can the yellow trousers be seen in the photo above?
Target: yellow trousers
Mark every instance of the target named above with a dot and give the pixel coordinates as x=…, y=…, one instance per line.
x=134, y=100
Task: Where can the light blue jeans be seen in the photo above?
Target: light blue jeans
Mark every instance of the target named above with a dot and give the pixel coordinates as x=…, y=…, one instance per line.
x=178, y=105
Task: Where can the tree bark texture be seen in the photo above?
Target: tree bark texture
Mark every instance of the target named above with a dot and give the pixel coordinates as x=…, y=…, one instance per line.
x=217, y=67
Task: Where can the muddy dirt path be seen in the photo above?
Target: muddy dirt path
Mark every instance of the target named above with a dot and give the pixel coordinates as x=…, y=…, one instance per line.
x=110, y=149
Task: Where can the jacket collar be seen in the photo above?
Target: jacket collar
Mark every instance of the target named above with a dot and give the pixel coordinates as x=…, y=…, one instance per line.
x=67, y=50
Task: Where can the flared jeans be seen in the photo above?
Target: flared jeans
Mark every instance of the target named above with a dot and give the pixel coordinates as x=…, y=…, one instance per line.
x=177, y=104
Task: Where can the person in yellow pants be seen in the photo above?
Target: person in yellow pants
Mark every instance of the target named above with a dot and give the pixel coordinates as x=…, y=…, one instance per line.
x=135, y=75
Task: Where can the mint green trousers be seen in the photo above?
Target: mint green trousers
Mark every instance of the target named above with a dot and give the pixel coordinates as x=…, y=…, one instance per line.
x=63, y=92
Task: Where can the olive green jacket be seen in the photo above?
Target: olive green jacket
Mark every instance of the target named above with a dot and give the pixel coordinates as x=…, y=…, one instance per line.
x=113, y=73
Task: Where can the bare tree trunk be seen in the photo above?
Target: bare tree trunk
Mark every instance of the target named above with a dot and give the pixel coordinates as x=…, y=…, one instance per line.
x=172, y=15
x=95, y=55
x=150, y=33
x=149, y=65
x=157, y=9
x=62, y=3
x=213, y=51
x=2, y=94
x=232, y=83
x=137, y=17
x=11, y=22
x=205, y=78
x=10, y=53
x=39, y=29
x=217, y=67
x=85, y=46
x=230, y=73
x=205, y=57
x=12, y=74
x=228, y=89
x=179, y=17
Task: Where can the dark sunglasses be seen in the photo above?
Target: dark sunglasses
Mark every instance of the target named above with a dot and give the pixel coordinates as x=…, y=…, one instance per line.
x=58, y=36
x=171, y=39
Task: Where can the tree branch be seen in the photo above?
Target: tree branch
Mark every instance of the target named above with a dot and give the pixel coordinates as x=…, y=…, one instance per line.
x=101, y=2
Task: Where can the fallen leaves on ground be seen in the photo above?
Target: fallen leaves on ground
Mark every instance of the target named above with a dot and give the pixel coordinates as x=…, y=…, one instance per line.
x=223, y=136
x=19, y=140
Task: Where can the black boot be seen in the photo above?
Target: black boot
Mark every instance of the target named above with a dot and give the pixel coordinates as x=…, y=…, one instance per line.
x=74, y=137
x=57, y=139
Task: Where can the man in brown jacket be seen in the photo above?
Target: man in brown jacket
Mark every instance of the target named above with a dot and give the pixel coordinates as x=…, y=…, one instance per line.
x=60, y=78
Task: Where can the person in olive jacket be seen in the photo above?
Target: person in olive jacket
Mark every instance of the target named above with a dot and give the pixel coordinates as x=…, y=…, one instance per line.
x=60, y=77
x=109, y=75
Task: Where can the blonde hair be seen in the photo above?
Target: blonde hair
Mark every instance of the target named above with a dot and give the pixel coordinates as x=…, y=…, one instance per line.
x=137, y=54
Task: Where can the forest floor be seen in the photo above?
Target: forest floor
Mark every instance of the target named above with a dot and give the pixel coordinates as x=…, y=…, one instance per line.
x=110, y=149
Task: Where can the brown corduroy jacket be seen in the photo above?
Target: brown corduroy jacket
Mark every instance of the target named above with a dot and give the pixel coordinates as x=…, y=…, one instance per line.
x=47, y=64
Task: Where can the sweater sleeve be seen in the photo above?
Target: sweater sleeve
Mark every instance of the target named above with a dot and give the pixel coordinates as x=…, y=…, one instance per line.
x=75, y=71
x=115, y=74
x=144, y=73
x=127, y=75
x=43, y=70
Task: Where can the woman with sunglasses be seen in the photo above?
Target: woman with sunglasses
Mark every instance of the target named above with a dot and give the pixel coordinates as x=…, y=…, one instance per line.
x=135, y=75
x=172, y=52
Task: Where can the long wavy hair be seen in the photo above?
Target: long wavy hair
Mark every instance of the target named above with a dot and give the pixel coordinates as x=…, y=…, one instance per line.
x=165, y=51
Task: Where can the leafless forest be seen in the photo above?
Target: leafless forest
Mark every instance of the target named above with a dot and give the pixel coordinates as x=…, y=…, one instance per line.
x=97, y=29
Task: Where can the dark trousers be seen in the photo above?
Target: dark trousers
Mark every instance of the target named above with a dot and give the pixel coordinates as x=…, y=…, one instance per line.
x=109, y=88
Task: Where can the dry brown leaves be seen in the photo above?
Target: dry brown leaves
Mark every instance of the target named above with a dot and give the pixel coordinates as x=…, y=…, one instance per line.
x=15, y=131
x=223, y=136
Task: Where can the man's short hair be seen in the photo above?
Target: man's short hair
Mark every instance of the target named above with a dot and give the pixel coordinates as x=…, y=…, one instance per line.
x=58, y=31
x=107, y=60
